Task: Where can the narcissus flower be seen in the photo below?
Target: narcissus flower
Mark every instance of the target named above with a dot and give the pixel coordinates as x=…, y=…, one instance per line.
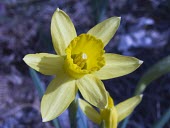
x=110, y=116
x=81, y=64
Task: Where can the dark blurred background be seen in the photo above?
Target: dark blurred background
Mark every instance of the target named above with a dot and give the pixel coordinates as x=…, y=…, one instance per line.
x=144, y=33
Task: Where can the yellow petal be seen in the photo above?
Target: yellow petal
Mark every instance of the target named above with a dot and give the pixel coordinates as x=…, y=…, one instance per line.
x=58, y=96
x=110, y=102
x=90, y=112
x=117, y=65
x=109, y=117
x=45, y=63
x=115, y=117
x=106, y=29
x=125, y=108
x=62, y=31
x=93, y=90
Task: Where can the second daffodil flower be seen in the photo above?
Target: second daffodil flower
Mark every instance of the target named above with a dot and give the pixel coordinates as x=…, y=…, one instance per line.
x=81, y=64
x=110, y=116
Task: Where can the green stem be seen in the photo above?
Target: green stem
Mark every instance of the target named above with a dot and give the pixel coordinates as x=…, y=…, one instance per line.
x=56, y=123
x=72, y=114
x=102, y=125
x=37, y=82
x=125, y=122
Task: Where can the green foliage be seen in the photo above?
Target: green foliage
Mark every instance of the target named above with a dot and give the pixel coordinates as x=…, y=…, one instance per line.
x=163, y=120
x=72, y=113
x=99, y=9
x=156, y=71
x=41, y=89
x=37, y=82
x=81, y=119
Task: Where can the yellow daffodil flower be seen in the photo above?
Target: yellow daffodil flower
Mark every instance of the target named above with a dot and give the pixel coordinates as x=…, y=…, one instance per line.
x=81, y=64
x=111, y=115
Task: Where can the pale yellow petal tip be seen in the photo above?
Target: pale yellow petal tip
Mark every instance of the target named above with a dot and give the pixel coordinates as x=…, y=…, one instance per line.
x=140, y=62
x=45, y=120
x=25, y=58
x=141, y=96
x=119, y=18
x=58, y=9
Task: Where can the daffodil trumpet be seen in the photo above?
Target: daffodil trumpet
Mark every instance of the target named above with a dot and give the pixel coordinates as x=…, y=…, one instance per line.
x=110, y=116
x=80, y=64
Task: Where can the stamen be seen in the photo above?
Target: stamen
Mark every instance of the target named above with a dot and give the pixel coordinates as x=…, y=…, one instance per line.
x=84, y=56
x=80, y=59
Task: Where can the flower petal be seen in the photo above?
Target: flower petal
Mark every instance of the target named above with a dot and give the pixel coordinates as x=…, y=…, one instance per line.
x=90, y=112
x=110, y=117
x=45, y=63
x=62, y=31
x=58, y=96
x=117, y=65
x=125, y=108
x=93, y=90
x=106, y=29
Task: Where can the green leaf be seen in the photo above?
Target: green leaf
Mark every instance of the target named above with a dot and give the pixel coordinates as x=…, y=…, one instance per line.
x=56, y=123
x=156, y=71
x=99, y=9
x=72, y=113
x=163, y=120
x=81, y=118
x=37, y=82
x=125, y=122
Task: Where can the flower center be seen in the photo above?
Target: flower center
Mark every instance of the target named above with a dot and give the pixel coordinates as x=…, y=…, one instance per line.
x=84, y=55
x=80, y=60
